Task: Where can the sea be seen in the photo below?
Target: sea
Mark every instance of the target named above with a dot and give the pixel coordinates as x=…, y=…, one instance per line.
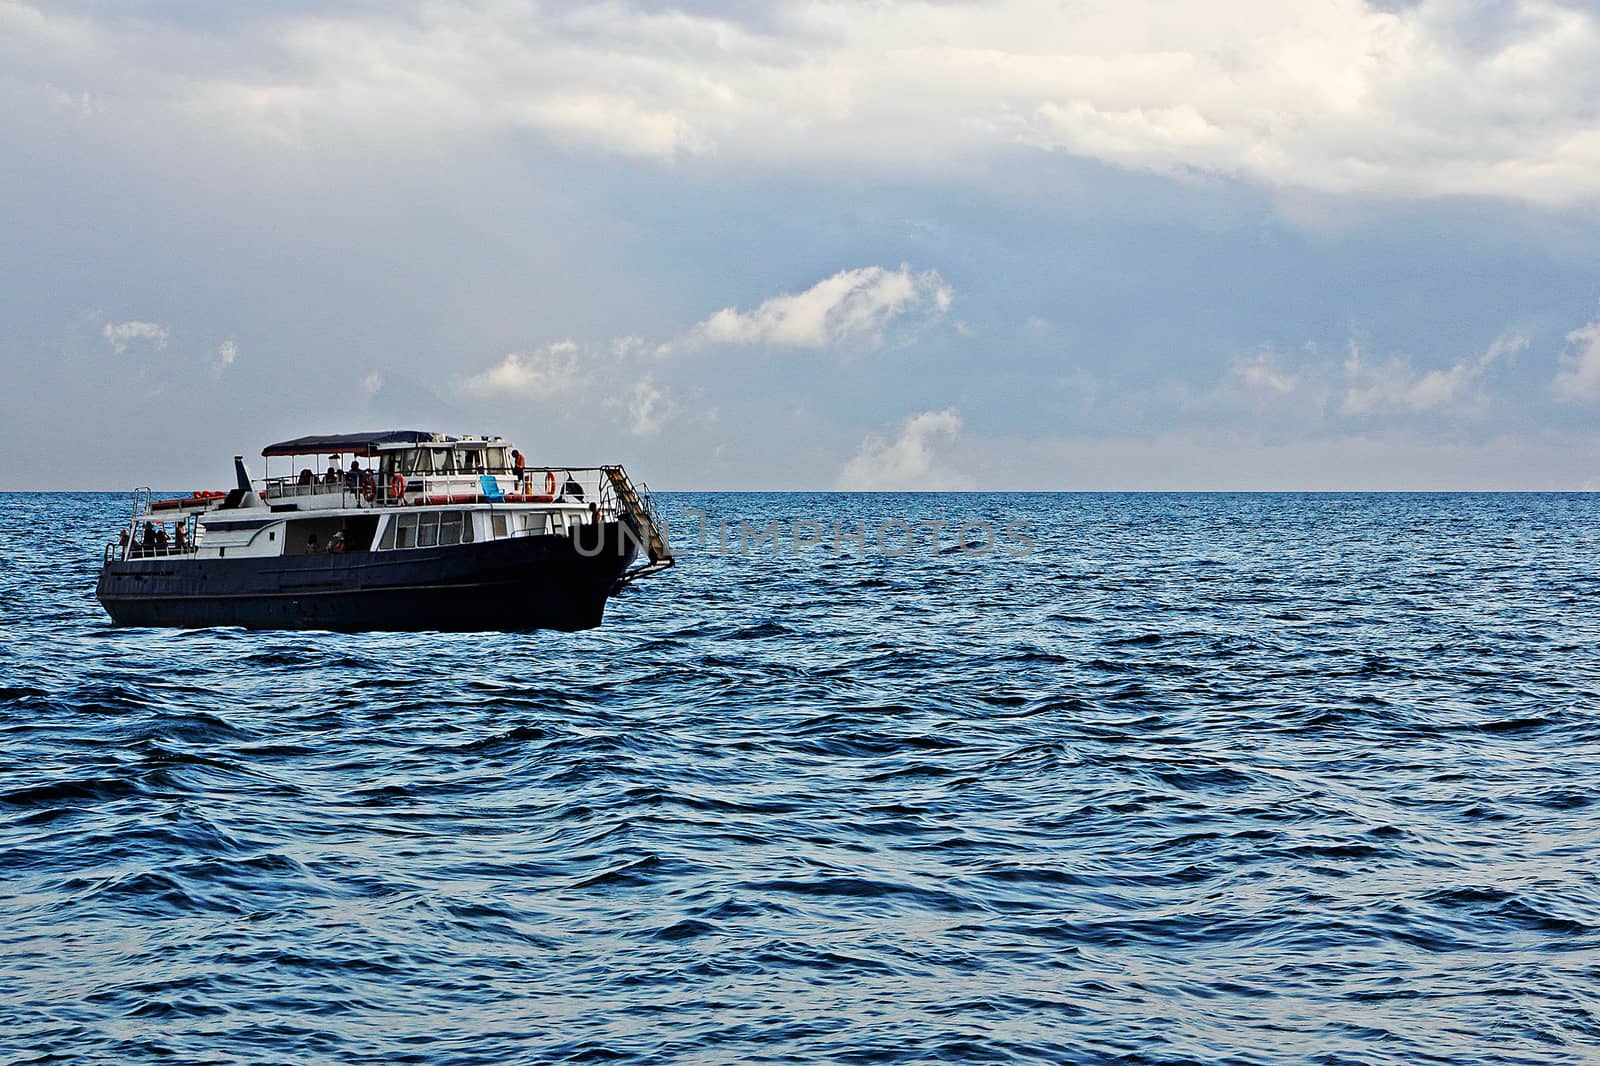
x=865, y=778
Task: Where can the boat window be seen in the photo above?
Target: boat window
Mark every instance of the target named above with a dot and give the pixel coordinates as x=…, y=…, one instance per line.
x=443, y=461
x=422, y=462
x=533, y=524
x=495, y=458
x=499, y=523
x=428, y=530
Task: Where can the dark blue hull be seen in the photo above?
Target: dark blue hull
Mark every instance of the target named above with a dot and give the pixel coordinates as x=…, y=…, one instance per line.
x=506, y=585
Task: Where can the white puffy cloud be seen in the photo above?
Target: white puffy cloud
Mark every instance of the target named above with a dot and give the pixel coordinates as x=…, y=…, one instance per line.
x=120, y=335
x=1579, y=375
x=852, y=306
x=1298, y=393
x=548, y=371
x=1396, y=385
x=909, y=460
x=224, y=357
x=1261, y=372
x=649, y=407
x=1443, y=98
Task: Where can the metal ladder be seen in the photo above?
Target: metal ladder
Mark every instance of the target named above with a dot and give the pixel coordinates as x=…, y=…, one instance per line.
x=640, y=509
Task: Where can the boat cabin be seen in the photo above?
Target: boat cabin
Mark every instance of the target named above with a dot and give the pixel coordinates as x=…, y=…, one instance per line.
x=391, y=491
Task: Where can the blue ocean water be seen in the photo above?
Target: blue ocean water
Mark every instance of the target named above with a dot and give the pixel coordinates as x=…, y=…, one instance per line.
x=1196, y=779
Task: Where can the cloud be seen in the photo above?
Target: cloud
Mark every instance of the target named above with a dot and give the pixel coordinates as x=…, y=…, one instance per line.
x=1439, y=99
x=1261, y=373
x=1292, y=396
x=370, y=385
x=909, y=461
x=1393, y=459
x=223, y=357
x=1578, y=378
x=649, y=407
x=120, y=335
x=852, y=306
x=1395, y=385
x=549, y=371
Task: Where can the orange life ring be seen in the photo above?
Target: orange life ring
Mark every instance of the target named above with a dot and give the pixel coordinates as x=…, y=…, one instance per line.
x=549, y=482
x=397, y=486
x=369, y=490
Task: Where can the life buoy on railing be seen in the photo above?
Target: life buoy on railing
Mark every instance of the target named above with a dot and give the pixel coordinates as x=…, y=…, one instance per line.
x=397, y=487
x=549, y=482
x=369, y=489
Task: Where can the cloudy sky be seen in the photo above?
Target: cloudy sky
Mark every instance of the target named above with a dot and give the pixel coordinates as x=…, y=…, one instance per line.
x=804, y=244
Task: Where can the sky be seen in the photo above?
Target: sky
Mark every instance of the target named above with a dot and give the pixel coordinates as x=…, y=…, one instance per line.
x=870, y=245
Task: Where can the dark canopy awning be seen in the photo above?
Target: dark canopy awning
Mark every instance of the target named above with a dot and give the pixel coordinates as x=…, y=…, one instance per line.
x=347, y=443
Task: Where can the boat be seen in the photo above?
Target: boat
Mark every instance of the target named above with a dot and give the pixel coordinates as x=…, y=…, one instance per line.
x=402, y=530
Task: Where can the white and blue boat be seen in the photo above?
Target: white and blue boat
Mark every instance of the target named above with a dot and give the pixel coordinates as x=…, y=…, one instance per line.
x=395, y=530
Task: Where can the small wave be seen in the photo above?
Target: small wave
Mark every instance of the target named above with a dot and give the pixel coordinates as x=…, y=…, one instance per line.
x=632, y=873
x=864, y=888
x=687, y=929
x=1520, y=725
x=72, y=792
x=761, y=631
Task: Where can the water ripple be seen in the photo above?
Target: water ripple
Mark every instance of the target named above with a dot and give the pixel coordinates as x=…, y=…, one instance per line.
x=1241, y=779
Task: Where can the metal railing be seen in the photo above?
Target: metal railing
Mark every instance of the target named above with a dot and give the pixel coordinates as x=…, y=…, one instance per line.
x=544, y=484
x=593, y=488
x=136, y=550
x=122, y=551
x=285, y=487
